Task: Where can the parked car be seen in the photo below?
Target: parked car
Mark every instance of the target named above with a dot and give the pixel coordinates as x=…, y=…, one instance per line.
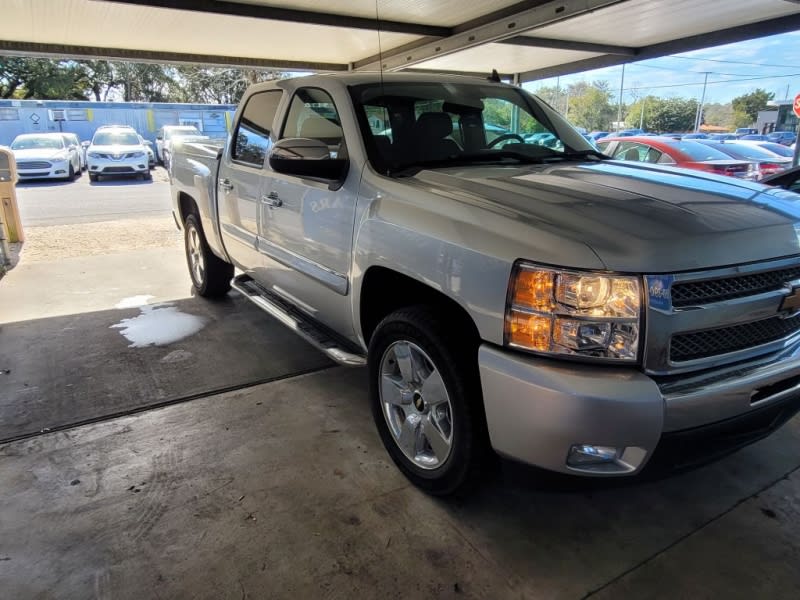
x=541, y=139
x=165, y=137
x=774, y=147
x=694, y=136
x=753, y=137
x=787, y=138
x=151, y=155
x=723, y=136
x=584, y=315
x=689, y=154
x=745, y=131
x=117, y=151
x=45, y=156
x=766, y=162
x=74, y=144
x=596, y=135
x=673, y=135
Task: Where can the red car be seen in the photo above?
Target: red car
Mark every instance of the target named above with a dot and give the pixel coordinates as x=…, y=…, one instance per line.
x=677, y=153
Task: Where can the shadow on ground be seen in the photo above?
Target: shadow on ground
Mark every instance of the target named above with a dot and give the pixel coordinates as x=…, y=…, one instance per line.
x=71, y=369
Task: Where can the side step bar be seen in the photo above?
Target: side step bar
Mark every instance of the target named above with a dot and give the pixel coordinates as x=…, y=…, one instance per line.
x=313, y=332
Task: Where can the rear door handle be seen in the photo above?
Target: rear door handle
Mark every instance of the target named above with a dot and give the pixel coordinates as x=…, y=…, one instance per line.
x=225, y=184
x=272, y=200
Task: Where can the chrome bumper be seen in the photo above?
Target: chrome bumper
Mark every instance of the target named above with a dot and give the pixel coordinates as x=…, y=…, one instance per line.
x=537, y=410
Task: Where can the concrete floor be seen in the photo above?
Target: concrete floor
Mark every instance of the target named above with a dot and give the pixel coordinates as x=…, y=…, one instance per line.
x=283, y=490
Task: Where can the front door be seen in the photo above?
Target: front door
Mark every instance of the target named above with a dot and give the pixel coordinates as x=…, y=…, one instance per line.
x=307, y=225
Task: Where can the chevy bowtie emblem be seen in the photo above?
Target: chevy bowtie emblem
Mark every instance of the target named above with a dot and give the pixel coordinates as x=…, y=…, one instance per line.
x=791, y=302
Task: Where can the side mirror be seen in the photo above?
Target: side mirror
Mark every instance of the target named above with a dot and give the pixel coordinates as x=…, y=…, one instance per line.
x=308, y=158
x=160, y=138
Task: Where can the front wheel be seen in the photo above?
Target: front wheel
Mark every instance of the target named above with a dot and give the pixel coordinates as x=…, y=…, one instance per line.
x=211, y=276
x=426, y=400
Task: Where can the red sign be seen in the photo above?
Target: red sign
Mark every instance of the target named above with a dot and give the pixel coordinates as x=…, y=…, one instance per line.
x=797, y=105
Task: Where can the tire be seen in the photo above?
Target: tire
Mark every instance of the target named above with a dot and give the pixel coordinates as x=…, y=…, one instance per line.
x=71, y=174
x=93, y=177
x=211, y=276
x=165, y=160
x=440, y=417
x=147, y=176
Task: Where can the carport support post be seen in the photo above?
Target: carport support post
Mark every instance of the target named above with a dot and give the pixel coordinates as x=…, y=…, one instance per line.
x=621, y=89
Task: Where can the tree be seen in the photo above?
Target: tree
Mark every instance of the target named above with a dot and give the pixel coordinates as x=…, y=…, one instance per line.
x=746, y=106
x=99, y=78
x=214, y=85
x=720, y=115
x=590, y=105
x=40, y=79
x=664, y=114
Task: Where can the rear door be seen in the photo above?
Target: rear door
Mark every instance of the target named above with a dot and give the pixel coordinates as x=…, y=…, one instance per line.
x=241, y=177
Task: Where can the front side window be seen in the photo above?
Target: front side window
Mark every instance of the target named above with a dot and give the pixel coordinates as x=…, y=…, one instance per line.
x=251, y=140
x=313, y=115
x=429, y=125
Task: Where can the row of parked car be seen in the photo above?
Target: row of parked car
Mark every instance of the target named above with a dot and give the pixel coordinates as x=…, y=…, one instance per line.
x=114, y=151
x=746, y=159
x=785, y=138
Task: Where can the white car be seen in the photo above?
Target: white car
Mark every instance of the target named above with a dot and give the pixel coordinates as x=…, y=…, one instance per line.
x=45, y=156
x=151, y=156
x=74, y=144
x=165, y=136
x=117, y=150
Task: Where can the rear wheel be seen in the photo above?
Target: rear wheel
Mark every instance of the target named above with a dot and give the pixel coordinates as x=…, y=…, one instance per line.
x=71, y=174
x=211, y=276
x=426, y=400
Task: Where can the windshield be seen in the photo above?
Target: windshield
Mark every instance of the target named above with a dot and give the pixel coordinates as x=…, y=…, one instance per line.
x=115, y=138
x=37, y=142
x=778, y=149
x=169, y=133
x=746, y=152
x=430, y=125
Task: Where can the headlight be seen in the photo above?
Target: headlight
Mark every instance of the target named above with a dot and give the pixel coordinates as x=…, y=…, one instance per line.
x=93, y=154
x=574, y=313
x=137, y=154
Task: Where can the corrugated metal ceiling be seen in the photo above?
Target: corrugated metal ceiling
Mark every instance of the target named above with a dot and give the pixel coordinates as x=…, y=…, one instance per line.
x=529, y=39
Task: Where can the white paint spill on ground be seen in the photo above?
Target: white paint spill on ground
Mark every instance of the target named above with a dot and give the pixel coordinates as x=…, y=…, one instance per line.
x=134, y=302
x=159, y=325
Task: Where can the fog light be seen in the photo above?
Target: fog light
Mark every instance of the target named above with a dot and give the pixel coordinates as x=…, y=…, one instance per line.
x=587, y=454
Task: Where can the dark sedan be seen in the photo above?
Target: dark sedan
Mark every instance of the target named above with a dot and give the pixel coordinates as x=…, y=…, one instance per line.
x=767, y=163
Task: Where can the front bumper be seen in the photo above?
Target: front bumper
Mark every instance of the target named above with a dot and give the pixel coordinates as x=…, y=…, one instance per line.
x=55, y=170
x=135, y=166
x=537, y=410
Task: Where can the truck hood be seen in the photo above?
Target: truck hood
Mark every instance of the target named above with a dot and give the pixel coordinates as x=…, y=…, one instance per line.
x=636, y=218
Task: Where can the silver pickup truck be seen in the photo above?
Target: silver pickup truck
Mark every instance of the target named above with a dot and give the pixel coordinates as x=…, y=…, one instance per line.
x=537, y=301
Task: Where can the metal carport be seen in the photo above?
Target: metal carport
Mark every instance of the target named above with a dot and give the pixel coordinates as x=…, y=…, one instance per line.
x=523, y=40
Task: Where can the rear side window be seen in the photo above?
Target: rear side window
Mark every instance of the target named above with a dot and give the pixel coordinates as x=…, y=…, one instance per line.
x=251, y=141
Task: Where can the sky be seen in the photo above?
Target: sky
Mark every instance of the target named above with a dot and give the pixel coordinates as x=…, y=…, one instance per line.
x=771, y=63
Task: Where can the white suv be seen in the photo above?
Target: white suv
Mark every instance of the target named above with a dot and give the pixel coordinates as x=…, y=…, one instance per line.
x=117, y=150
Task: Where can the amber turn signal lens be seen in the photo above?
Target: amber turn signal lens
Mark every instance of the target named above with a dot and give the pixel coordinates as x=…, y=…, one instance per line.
x=529, y=331
x=534, y=289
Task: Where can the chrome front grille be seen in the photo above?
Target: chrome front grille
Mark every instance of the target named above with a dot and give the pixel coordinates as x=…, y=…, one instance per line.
x=33, y=164
x=715, y=290
x=707, y=319
x=712, y=342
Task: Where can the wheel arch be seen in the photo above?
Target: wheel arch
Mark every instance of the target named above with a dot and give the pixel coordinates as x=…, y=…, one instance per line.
x=384, y=290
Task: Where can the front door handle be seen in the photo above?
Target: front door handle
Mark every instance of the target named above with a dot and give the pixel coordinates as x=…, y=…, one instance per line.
x=225, y=184
x=272, y=200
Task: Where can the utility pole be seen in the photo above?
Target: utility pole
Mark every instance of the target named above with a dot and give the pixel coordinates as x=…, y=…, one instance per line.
x=619, y=104
x=641, y=118
x=699, y=116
